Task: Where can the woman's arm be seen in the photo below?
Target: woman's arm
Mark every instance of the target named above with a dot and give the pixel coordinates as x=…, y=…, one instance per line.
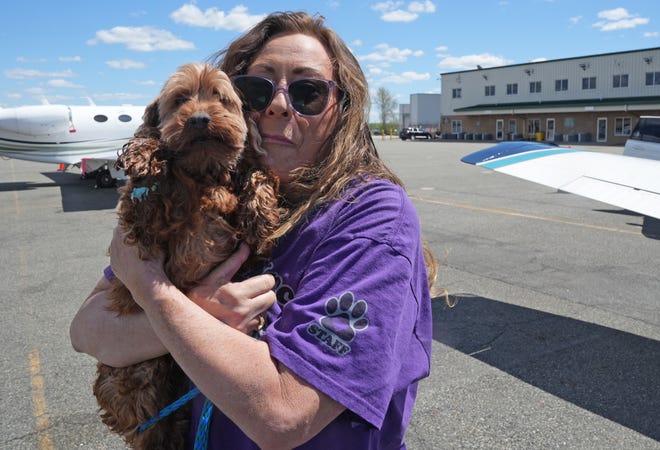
x=273, y=406
x=124, y=340
x=113, y=340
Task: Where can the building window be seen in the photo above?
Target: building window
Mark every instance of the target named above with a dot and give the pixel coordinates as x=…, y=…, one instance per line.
x=622, y=126
x=512, y=89
x=589, y=83
x=456, y=126
x=456, y=93
x=534, y=87
x=620, y=80
x=490, y=91
x=652, y=78
x=561, y=85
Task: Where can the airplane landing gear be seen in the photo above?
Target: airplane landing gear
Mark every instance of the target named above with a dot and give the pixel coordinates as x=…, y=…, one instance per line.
x=104, y=179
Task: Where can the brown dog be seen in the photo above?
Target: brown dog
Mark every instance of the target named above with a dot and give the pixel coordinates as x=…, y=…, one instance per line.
x=195, y=190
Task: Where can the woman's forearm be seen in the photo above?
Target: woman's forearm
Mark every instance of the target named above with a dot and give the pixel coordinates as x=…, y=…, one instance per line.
x=117, y=341
x=273, y=406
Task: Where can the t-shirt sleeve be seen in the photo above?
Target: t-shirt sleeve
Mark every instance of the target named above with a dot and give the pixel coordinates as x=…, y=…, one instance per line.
x=353, y=315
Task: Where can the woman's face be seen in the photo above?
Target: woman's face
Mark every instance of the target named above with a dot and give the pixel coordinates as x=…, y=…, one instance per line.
x=290, y=139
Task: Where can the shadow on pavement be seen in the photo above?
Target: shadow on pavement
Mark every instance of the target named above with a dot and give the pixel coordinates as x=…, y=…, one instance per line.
x=611, y=373
x=77, y=194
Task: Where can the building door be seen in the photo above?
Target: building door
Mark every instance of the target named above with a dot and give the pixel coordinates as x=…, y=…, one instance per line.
x=513, y=130
x=499, y=129
x=602, y=129
x=550, y=130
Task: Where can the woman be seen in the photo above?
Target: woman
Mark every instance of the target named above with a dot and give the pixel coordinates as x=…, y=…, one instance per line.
x=350, y=334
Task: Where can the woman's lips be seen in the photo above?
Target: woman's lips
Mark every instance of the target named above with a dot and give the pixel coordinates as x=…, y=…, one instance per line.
x=276, y=139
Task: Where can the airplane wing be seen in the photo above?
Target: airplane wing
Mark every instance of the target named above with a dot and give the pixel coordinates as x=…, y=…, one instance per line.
x=623, y=181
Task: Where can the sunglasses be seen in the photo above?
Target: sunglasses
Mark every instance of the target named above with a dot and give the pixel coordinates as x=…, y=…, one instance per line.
x=306, y=96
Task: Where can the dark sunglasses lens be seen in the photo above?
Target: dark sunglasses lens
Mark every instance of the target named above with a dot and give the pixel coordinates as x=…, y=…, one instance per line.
x=256, y=93
x=309, y=97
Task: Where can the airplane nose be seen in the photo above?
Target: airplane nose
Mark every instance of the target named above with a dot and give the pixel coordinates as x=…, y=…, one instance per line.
x=199, y=120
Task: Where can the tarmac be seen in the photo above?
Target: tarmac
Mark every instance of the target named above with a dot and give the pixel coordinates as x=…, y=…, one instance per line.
x=552, y=339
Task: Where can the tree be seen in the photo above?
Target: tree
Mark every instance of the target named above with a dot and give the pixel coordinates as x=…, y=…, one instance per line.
x=385, y=103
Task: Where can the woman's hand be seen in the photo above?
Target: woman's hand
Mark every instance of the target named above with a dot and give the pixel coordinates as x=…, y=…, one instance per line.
x=238, y=304
x=138, y=275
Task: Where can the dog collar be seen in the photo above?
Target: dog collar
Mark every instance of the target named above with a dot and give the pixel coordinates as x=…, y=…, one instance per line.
x=140, y=193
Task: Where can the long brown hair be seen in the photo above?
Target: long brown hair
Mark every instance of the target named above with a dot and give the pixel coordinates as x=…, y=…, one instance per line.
x=349, y=150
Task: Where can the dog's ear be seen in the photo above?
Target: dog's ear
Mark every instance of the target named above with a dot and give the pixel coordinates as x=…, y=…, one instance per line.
x=139, y=158
x=253, y=139
x=150, y=122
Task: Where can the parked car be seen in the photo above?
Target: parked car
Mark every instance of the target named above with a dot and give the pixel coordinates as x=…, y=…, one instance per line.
x=414, y=133
x=644, y=141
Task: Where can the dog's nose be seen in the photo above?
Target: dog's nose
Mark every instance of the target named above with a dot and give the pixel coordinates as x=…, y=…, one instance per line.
x=199, y=120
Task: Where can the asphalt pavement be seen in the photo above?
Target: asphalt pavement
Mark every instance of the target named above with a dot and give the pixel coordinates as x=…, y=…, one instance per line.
x=553, y=340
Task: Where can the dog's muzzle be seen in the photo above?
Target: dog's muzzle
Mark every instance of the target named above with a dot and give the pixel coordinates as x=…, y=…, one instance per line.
x=199, y=120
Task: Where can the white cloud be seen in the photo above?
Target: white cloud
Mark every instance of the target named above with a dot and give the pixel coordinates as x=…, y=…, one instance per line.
x=396, y=11
x=399, y=16
x=31, y=73
x=614, y=14
x=69, y=59
x=60, y=83
x=618, y=19
x=651, y=34
x=472, y=61
x=125, y=64
x=405, y=77
x=142, y=39
x=574, y=20
x=119, y=97
x=237, y=19
x=386, y=54
x=422, y=7
x=23, y=59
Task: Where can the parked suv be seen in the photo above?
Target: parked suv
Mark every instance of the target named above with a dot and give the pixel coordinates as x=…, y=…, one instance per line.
x=644, y=141
x=414, y=133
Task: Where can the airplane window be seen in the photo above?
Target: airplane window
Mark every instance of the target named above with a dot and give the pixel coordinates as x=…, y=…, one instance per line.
x=101, y=118
x=125, y=118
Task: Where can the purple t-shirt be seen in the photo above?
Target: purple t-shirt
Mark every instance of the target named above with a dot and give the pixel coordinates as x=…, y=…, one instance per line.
x=353, y=318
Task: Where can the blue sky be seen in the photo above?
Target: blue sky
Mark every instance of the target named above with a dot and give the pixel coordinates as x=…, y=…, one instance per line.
x=120, y=52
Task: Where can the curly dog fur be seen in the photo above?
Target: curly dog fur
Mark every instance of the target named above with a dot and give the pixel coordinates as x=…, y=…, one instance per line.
x=195, y=189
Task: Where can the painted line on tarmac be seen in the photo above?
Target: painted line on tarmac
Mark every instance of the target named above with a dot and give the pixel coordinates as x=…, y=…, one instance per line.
x=525, y=216
x=41, y=418
x=17, y=204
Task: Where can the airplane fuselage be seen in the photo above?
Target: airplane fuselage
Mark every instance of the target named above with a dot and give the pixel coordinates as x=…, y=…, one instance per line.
x=67, y=134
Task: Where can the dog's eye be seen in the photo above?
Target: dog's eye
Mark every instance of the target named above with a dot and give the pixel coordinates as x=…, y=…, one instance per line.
x=221, y=97
x=180, y=100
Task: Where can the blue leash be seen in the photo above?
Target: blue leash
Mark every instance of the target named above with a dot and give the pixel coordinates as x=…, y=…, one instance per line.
x=202, y=436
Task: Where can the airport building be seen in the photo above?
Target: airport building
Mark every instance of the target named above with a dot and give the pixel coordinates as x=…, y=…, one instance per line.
x=423, y=111
x=595, y=99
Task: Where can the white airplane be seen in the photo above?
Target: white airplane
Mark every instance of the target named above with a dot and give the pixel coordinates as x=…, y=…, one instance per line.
x=625, y=181
x=87, y=137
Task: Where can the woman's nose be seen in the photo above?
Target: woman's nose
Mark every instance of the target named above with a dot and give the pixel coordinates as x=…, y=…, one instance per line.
x=279, y=104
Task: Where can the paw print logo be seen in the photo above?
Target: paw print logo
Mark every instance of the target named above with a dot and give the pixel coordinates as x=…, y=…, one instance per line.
x=283, y=291
x=345, y=316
